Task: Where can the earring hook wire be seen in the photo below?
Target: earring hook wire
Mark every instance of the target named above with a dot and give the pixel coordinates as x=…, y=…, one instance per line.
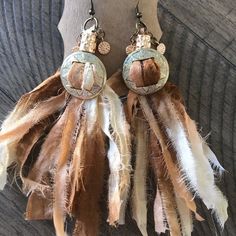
x=92, y=10
x=92, y=18
x=139, y=24
x=141, y=27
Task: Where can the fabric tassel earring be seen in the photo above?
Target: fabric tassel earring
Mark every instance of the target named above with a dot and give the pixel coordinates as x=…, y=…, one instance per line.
x=165, y=136
x=68, y=117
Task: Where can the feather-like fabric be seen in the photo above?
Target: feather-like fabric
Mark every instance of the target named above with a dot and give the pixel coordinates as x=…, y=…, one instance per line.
x=165, y=186
x=33, y=117
x=140, y=140
x=87, y=209
x=172, y=173
x=159, y=215
x=50, y=87
x=218, y=168
x=169, y=158
x=139, y=195
x=48, y=156
x=61, y=177
x=26, y=145
x=75, y=169
x=12, y=134
x=191, y=130
x=114, y=125
x=180, y=158
x=67, y=175
x=185, y=216
x=159, y=155
x=192, y=159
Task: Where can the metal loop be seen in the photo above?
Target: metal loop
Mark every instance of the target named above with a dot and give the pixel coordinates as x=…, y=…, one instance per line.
x=89, y=20
x=139, y=24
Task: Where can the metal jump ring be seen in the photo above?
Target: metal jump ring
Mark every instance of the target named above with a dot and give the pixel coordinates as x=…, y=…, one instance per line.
x=91, y=19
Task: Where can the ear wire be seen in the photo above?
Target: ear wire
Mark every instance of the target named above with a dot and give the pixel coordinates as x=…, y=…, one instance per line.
x=92, y=10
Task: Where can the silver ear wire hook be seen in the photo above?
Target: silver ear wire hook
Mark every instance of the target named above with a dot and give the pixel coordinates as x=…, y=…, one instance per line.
x=92, y=11
x=141, y=28
x=139, y=24
x=91, y=18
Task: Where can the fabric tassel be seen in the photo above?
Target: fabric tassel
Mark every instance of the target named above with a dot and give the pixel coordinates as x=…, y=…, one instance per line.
x=25, y=146
x=185, y=217
x=185, y=198
x=47, y=159
x=169, y=158
x=61, y=176
x=49, y=88
x=159, y=215
x=184, y=164
x=192, y=159
x=139, y=195
x=191, y=130
x=33, y=117
x=75, y=168
x=217, y=167
x=4, y=163
x=86, y=204
x=39, y=182
x=117, y=130
x=166, y=188
x=67, y=175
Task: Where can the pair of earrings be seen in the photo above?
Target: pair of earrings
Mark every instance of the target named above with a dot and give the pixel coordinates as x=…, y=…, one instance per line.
x=59, y=135
x=162, y=134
